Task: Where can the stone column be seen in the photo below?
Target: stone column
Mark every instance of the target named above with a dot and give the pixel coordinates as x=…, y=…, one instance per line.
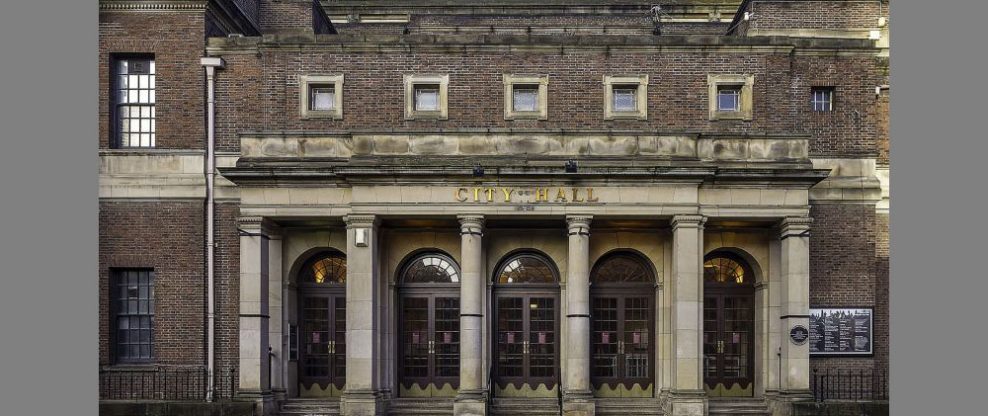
x=472, y=396
x=795, y=305
x=362, y=392
x=687, y=396
x=277, y=331
x=578, y=398
x=254, y=342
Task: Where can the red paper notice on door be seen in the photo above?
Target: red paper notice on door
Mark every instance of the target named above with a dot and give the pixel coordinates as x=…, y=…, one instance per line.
x=447, y=337
x=511, y=337
x=605, y=337
x=636, y=337
x=415, y=337
x=315, y=337
x=541, y=337
x=737, y=338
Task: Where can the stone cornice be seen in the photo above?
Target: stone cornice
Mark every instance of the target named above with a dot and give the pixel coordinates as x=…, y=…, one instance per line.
x=154, y=6
x=257, y=225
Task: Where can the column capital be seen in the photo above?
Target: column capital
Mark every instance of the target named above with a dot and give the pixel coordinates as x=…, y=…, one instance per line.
x=361, y=220
x=578, y=224
x=471, y=224
x=252, y=224
x=794, y=227
x=687, y=221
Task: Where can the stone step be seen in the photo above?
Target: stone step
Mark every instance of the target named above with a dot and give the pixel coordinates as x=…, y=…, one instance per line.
x=423, y=406
x=310, y=407
x=628, y=406
x=526, y=407
x=747, y=407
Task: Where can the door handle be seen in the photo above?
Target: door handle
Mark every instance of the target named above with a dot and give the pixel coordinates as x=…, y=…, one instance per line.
x=524, y=347
x=432, y=347
x=332, y=347
x=720, y=347
x=620, y=347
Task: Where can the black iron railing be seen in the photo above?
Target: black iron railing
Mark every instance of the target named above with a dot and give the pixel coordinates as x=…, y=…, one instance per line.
x=179, y=384
x=840, y=384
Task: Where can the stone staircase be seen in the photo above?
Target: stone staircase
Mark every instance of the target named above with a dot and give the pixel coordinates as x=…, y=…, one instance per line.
x=738, y=406
x=423, y=407
x=628, y=407
x=310, y=407
x=525, y=407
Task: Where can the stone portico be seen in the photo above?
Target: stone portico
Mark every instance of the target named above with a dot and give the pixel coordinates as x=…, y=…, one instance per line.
x=377, y=201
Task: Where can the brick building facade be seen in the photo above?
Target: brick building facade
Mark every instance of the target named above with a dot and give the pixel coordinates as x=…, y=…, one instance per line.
x=420, y=159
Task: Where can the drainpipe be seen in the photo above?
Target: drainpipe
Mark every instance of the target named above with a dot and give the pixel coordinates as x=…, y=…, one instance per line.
x=210, y=64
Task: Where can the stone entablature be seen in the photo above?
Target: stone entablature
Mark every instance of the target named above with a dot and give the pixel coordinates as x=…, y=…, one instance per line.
x=726, y=148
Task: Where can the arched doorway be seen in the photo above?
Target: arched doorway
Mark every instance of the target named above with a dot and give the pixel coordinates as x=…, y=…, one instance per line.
x=728, y=325
x=429, y=324
x=322, y=316
x=622, y=299
x=526, y=326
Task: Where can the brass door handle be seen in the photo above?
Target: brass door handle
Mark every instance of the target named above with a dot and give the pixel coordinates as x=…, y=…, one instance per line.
x=332, y=347
x=524, y=347
x=432, y=347
x=720, y=347
x=620, y=347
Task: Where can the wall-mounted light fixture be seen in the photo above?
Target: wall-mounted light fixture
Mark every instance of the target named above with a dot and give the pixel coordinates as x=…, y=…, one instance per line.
x=570, y=166
x=478, y=170
x=360, y=237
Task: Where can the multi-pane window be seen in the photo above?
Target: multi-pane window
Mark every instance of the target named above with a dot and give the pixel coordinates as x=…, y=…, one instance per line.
x=132, y=297
x=322, y=97
x=624, y=98
x=729, y=98
x=426, y=97
x=525, y=97
x=822, y=98
x=133, y=101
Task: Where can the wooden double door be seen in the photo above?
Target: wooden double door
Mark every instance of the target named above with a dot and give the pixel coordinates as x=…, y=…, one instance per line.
x=728, y=341
x=429, y=351
x=322, y=358
x=622, y=349
x=526, y=347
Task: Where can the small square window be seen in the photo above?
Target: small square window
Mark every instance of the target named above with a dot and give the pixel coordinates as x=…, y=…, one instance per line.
x=322, y=98
x=822, y=98
x=624, y=98
x=729, y=98
x=426, y=97
x=525, y=97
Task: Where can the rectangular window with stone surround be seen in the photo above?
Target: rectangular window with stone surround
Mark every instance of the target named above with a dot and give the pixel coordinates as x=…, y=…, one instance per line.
x=133, y=99
x=730, y=96
x=626, y=97
x=321, y=96
x=525, y=97
x=822, y=98
x=426, y=97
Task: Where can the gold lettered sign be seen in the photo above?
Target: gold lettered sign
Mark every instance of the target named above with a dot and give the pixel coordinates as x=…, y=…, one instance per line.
x=535, y=195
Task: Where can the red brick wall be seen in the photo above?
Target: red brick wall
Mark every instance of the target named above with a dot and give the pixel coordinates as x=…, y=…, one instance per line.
x=168, y=237
x=842, y=270
x=177, y=41
x=816, y=14
x=374, y=97
x=227, y=288
x=285, y=15
x=882, y=291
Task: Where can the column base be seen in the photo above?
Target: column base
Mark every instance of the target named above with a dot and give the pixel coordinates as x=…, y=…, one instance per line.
x=264, y=402
x=781, y=403
x=579, y=403
x=362, y=403
x=470, y=403
x=686, y=403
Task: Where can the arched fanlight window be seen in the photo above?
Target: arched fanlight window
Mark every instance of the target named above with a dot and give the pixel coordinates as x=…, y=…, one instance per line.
x=724, y=269
x=324, y=269
x=526, y=268
x=622, y=267
x=431, y=268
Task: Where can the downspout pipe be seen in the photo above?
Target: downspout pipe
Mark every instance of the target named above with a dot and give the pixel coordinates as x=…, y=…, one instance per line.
x=210, y=64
